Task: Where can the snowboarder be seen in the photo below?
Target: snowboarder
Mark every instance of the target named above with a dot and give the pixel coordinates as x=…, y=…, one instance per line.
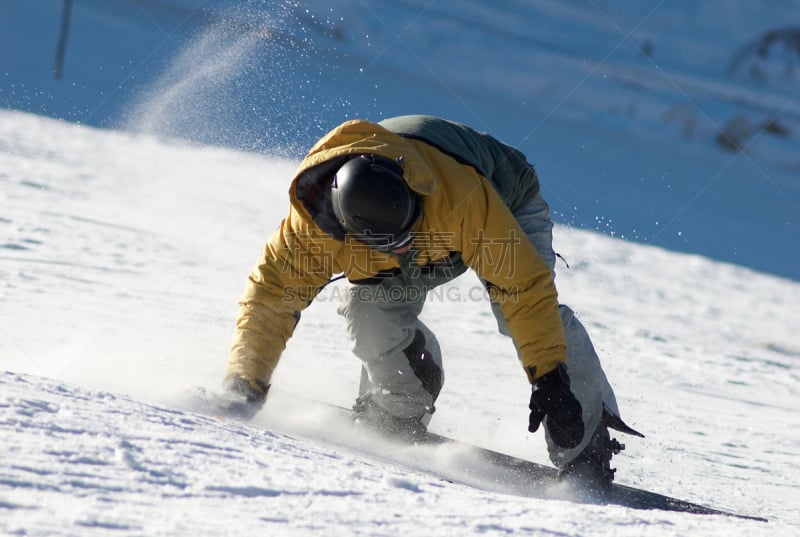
x=400, y=207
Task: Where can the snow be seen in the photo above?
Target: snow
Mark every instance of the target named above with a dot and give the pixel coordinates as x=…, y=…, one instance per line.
x=117, y=282
x=123, y=251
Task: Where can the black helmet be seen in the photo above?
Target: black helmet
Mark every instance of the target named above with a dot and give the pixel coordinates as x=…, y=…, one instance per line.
x=373, y=203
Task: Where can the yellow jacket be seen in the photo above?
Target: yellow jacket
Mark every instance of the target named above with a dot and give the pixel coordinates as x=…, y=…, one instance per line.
x=462, y=214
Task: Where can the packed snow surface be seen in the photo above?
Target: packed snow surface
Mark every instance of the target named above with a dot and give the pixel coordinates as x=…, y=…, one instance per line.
x=122, y=257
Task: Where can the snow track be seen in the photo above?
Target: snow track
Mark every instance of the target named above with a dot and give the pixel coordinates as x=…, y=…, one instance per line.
x=84, y=462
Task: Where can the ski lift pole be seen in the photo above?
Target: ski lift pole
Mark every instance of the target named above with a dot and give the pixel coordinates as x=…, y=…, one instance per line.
x=61, y=50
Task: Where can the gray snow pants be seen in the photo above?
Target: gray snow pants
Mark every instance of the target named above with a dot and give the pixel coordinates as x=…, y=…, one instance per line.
x=381, y=328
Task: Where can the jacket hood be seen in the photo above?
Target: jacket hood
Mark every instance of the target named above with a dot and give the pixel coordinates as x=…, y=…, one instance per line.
x=316, y=171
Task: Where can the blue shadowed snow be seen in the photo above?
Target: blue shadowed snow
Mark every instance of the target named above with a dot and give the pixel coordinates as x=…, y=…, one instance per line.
x=619, y=105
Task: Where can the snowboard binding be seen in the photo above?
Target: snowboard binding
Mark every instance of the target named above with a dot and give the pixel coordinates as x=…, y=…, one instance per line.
x=591, y=471
x=368, y=413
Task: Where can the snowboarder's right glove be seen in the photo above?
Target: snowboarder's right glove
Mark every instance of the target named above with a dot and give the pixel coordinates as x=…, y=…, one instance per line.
x=553, y=398
x=243, y=399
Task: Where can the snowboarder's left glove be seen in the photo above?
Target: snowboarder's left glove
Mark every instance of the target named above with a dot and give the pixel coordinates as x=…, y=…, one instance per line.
x=243, y=399
x=553, y=398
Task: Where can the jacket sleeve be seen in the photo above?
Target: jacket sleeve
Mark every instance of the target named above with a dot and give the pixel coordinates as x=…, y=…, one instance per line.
x=517, y=278
x=296, y=263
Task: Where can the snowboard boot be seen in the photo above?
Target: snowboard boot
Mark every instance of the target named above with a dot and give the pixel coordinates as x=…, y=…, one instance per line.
x=590, y=473
x=367, y=412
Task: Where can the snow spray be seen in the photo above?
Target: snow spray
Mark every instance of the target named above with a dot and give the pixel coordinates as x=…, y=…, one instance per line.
x=242, y=82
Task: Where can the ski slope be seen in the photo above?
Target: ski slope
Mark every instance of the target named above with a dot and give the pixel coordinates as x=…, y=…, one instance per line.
x=121, y=258
x=123, y=251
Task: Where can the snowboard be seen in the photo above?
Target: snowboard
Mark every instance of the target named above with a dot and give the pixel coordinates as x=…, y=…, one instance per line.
x=538, y=480
x=465, y=463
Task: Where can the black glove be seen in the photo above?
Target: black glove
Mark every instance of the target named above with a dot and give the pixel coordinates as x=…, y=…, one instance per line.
x=552, y=397
x=242, y=399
